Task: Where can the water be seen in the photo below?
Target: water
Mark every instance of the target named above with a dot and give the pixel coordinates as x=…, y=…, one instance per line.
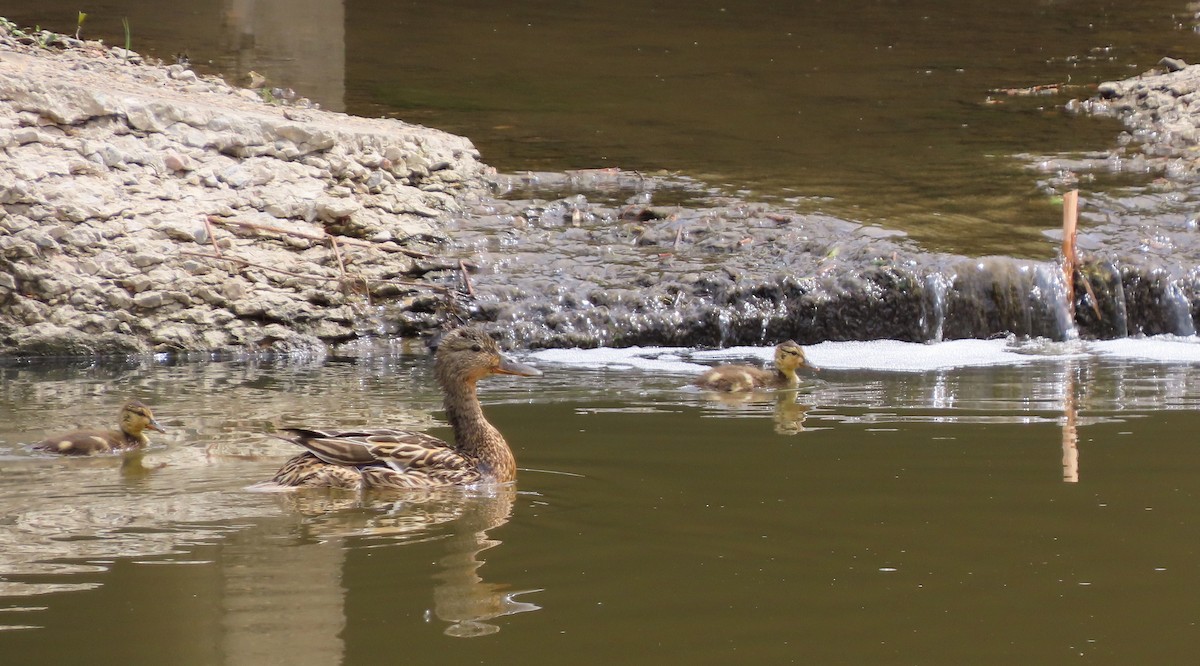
x=871, y=111
x=963, y=502
x=981, y=502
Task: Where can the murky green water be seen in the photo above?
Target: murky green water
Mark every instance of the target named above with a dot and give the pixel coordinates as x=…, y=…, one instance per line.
x=874, y=517
x=869, y=110
x=1035, y=514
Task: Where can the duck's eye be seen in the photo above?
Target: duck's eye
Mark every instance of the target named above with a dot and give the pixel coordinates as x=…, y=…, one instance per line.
x=477, y=347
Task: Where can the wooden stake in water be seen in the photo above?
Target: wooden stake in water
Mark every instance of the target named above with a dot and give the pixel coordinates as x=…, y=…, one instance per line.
x=1070, y=221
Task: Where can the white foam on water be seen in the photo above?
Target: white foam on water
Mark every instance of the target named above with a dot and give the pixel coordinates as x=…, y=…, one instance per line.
x=885, y=355
x=899, y=356
x=1161, y=348
x=658, y=359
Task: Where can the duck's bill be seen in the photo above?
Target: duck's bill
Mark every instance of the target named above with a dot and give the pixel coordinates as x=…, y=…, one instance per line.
x=153, y=425
x=511, y=367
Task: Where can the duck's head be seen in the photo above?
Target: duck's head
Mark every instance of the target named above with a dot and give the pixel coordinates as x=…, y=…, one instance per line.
x=466, y=355
x=789, y=356
x=136, y=417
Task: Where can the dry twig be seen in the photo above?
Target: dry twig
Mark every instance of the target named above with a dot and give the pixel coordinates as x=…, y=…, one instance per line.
x=318, y=278
x=462, y=267
x=320, y=237
x=212, y=237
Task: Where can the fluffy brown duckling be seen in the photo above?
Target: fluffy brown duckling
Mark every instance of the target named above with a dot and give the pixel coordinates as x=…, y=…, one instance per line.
x=386, y=458
x=789, y=356
x=134, y=420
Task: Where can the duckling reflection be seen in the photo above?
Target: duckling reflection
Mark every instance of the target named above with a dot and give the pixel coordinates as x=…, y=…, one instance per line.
x=134, y=469
x=790, y=413
x=461, y=597
x=787, y=411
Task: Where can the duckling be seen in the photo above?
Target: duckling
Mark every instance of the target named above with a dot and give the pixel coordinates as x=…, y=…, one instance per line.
x=385, y=458
x=731, y=378
x=135, y=419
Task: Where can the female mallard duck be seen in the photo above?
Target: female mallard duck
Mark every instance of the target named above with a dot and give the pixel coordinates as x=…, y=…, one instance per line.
x=385, y=458
x=134, y=420
x=788, y=357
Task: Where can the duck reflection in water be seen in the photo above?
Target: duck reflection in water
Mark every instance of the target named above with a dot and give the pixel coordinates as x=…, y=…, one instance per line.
x=461, y=597
x=425, y=483
x=787, y=411
x=790, y=413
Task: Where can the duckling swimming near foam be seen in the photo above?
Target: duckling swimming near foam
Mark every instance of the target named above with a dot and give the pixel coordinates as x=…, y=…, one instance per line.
x=789, y=357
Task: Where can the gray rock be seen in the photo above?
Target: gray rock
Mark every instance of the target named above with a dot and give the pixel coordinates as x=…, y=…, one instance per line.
x=1172, y=64
x=119, y=300
x=177, y=162
x=39, y=238
x=148, y=299
x=146, y=259
x=329, y=208
x=233, y=290
x=137, y=283
x=189, y=231
x=46, y=339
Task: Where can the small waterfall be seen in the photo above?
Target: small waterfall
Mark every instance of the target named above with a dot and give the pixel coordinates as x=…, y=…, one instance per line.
x=1050, y=289
x=724, y=326
x=1178, y=309
x=933, y=318
x=1000, y=294
x=1157, y=301
x=943, y=299
x=1100, y=300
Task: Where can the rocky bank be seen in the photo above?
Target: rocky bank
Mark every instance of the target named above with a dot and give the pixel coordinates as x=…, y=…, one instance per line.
x=145, y=208
x=134, y=200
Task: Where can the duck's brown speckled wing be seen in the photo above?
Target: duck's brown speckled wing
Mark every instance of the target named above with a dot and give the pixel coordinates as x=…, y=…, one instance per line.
x=383, y=477
x=375, y=458
x=309, y=471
